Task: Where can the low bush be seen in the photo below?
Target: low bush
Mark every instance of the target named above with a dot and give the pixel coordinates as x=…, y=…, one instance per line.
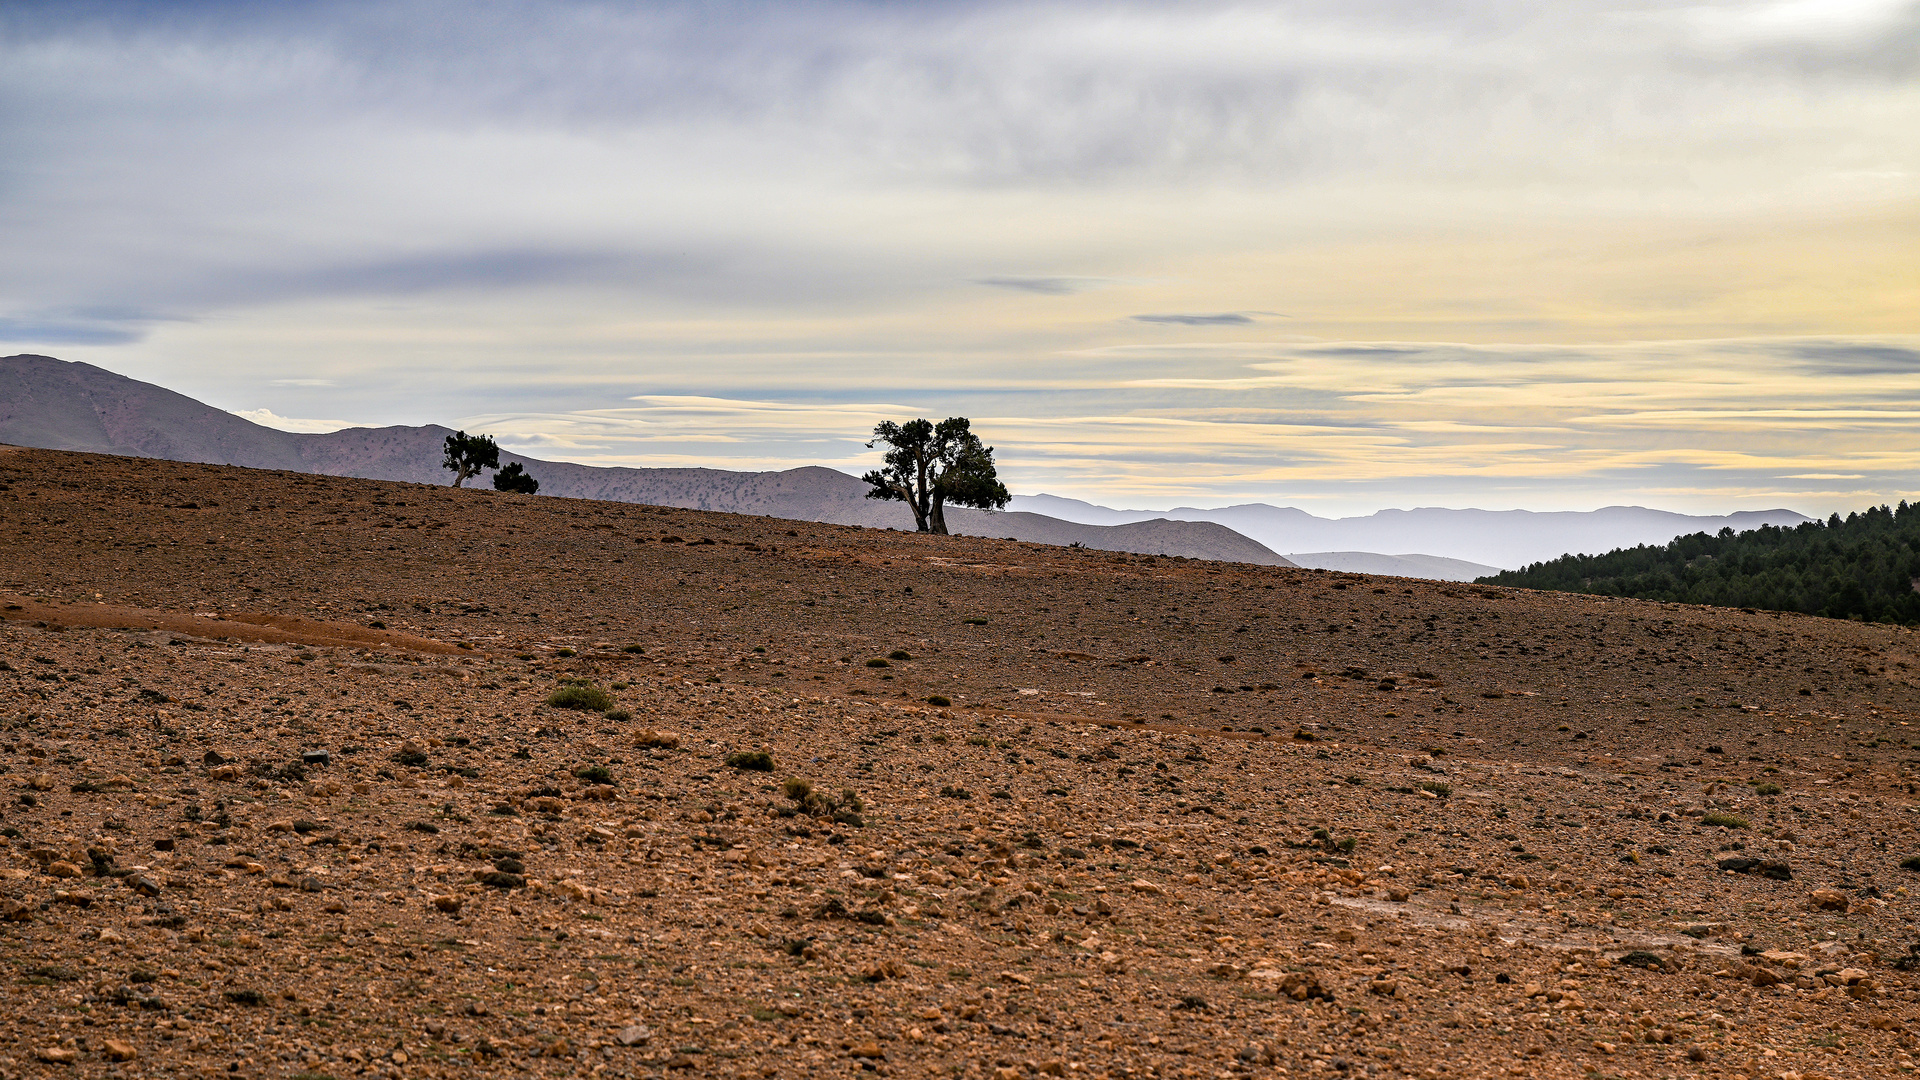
x=1724, y=821
x=751, y=760
x=586, y=698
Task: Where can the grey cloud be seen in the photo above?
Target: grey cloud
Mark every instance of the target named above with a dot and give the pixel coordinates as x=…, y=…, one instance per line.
x=62, y=332
x=1224, y=318
x=502, y=268
x=1849, y=358
x=1046, y=286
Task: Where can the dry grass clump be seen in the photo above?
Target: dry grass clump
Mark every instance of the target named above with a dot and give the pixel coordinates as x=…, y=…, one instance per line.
x=583, y=696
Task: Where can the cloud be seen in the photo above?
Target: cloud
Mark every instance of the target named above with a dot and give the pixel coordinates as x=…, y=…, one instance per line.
x=1855, y=358
x=1045, y=286
x=268, y=418
x=1225, y=318
x=68, y=332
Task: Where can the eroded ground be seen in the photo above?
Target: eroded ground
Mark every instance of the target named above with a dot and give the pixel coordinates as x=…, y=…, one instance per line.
x=283, y=795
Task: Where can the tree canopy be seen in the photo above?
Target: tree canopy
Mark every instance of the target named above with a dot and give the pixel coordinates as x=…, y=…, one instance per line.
x=1863, y=567
x=468, y=454
x=514, y=478
x=929, y=465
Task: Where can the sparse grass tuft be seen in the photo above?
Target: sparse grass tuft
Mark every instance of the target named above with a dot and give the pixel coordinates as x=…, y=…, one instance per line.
x=751, y=760
x=899, y=654
x=586, y=698
x=1438, y=788
x=1911, y=864
x=878, y=662
x=1767, y=789
x=1725, y=821
x=940, y=700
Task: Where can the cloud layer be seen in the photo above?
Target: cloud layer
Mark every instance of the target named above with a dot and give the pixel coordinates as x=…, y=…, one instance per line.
x=1077, y=219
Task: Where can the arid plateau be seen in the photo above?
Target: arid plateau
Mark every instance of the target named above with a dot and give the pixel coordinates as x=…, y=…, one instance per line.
x=308, y=776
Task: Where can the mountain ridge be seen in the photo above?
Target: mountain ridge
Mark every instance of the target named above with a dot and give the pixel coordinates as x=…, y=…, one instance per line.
x=1498, y=538
x=56, y=404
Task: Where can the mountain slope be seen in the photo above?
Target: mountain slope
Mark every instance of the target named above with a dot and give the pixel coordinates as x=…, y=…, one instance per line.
x=1432, y=567
x=58, y=405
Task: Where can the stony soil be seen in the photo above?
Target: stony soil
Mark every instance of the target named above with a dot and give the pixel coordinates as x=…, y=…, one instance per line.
x=284, y=795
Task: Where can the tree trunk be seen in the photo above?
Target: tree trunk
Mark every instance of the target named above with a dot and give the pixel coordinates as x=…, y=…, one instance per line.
x=937, y=519
x=919, y=511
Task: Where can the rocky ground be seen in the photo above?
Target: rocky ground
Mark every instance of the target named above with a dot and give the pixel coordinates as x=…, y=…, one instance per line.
x=288, y=791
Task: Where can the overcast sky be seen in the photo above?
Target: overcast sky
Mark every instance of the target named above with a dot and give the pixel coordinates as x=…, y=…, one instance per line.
x=1338, y=254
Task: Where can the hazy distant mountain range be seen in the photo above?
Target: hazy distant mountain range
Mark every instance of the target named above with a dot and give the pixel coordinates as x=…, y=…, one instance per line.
x=60, y=405
x=1491, y=539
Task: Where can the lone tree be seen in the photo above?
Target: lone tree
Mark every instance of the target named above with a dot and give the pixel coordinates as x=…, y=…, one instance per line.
x=468, y=454
x=930, y=465
x=514, y=478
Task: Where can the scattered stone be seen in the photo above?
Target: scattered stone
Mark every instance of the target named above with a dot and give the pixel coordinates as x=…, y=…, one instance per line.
x=1828, y=900
x=634, y=1035
x=119, y=1050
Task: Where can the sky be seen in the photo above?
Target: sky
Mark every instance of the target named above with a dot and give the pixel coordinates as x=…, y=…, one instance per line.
x=1337, y=255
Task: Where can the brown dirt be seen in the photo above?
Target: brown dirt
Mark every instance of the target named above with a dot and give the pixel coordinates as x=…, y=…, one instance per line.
x=1119, y=851
x=215, y=626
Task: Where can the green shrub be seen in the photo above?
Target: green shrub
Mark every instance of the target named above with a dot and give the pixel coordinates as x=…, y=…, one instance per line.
x=1766, y=789
x=1911, y=864
x=1438, y=788
x=899, y=654
x=586, y=698
x=797, y=789
x=940, y=700
x=751, y=760
x=594, y=774
x=878, y=662
x=565, y=652
x=1724, y=821
x=619, y=716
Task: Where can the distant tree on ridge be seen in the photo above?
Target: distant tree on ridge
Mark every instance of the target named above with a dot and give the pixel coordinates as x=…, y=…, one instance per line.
x=929, y=465
x=468, y=454
x=514, y=478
